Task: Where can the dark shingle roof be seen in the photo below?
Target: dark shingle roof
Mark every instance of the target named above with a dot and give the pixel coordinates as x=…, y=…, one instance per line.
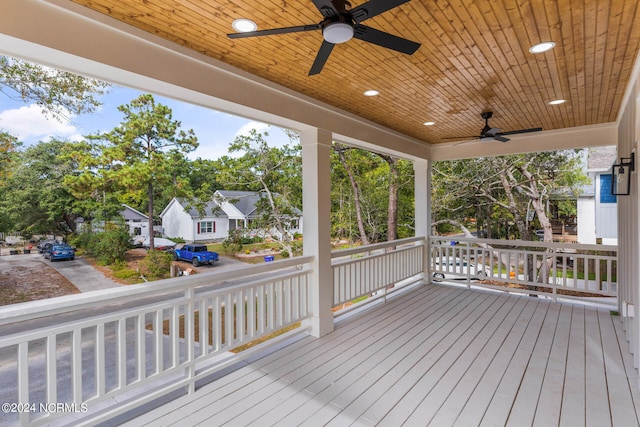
x=244, y=201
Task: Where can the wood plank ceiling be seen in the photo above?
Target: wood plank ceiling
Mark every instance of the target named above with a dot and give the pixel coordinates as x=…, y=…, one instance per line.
x=474, y=57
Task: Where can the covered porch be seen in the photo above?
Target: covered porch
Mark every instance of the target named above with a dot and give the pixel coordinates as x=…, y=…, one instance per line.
x=432, y=353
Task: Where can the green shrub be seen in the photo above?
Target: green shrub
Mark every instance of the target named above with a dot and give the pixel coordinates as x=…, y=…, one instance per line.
x=233, y=241
x=156, y=265
x=108, y=247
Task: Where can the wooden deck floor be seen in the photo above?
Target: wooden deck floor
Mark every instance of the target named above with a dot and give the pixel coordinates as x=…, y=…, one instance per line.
x=438, y=355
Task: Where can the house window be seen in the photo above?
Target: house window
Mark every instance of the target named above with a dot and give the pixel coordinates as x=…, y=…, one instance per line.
x=206, y=227
x=605, y=189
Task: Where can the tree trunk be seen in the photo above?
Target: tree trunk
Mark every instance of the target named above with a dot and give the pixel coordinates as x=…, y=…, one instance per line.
x=152, y=245
x=394, y=186
x=284, y=240
x=508, y=187
x=356, y=196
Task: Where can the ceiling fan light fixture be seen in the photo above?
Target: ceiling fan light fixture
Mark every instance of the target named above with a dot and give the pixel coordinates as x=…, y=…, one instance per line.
x=338, y=32
x=542, y=47
x=244, y=25
x=557, y=102
x=371, y=92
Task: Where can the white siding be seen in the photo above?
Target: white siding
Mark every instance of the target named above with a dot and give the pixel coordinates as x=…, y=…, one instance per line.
x=178, y=223
x=586, y=221
x=220, y=227
x=628, y=233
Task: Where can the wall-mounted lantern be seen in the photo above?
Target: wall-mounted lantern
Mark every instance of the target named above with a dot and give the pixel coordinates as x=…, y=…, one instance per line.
x=621, y=171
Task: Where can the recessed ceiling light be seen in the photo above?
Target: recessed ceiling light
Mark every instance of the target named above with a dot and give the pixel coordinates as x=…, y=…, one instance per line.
x=557, y=102
x=429, y=123
x=371, y=93
x=542, y=47
x=244, y=25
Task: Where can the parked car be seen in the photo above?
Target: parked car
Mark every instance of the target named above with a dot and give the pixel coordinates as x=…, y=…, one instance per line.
x=159, y=243
x=46, y=244
x=459, y=269
x=196, y=254
x=59, y=252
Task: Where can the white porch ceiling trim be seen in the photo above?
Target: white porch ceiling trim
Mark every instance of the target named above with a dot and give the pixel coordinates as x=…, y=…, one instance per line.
x=568, y=138
x=67, y=36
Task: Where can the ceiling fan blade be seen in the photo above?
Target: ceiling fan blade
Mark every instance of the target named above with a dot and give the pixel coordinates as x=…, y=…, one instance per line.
x=513, y=132
x=383, y=39
x=373, y=8
x=501, y=138
x=326, y=8
x=461, y=137
x=321, y=57
x=492, y=132
x=298, y=29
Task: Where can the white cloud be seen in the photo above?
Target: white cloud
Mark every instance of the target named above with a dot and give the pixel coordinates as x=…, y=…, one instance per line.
x=246, y=129
x=29, y=124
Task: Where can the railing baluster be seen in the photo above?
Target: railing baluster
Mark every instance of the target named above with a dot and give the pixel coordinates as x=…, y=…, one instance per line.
x=121, y=349
x=141, y=350
x=100, y=361
x=23, y=380
x=175, y=336
x=158, y=333
x=216, y=315
x=76, y=365
x=52, y=368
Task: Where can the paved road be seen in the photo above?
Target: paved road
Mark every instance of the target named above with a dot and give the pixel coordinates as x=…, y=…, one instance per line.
x=86, y=278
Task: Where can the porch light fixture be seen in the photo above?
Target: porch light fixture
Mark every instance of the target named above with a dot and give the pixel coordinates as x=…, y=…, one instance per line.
x=429, y=123
x=557, y=102
x=371, y=92
x=542, y=47
x=621, y=172
x=244, y=25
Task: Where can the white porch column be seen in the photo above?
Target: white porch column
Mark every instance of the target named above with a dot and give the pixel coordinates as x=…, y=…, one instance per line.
x=316, y=208
x=422, y=174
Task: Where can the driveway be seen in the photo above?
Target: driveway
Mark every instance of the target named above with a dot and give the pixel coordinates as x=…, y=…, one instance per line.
x=81, y=274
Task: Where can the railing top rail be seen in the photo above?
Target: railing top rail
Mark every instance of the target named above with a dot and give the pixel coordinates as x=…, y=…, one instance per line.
x=528, y=243
x=376, y=246
x=17, y=312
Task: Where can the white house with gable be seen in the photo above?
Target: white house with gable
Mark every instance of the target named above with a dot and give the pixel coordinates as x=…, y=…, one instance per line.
x=228, y=210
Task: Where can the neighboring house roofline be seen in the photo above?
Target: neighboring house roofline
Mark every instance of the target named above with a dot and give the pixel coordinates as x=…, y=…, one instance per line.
x=135, y=210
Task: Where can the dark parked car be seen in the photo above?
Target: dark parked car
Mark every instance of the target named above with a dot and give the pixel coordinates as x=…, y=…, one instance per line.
x=44, y=245
x=58, y=252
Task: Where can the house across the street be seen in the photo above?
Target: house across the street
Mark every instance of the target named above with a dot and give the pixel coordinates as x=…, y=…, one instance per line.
x=136, y=221
x=227, y=211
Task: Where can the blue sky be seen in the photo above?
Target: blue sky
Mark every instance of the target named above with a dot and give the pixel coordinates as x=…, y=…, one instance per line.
x=215, y=130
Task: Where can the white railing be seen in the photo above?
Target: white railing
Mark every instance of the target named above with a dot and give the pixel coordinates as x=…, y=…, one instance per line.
x=559, y=269
x=364, y=270
x=132, y=345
